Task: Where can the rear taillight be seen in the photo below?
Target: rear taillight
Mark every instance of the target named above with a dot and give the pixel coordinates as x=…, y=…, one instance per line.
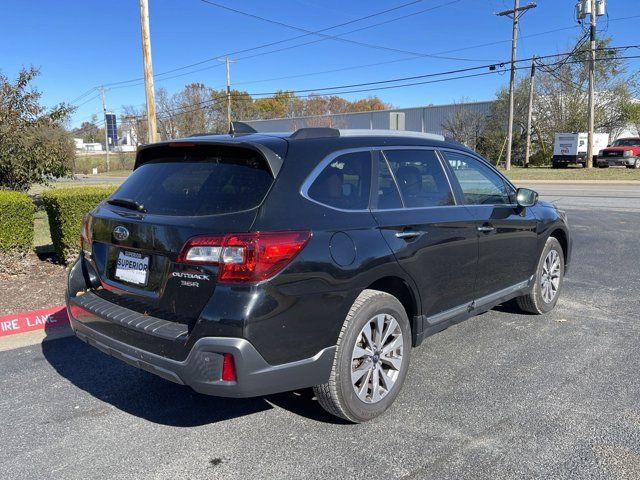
x=85, y=234
x=245, y=257
x=228, y=368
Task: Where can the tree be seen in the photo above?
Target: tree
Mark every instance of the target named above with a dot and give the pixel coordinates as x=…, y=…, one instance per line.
x=34, y=146
x=466, y=125
x=89, y=131
x=560, y=102
x=631, y=112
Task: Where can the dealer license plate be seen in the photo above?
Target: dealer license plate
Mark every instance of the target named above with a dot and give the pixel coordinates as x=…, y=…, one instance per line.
x=132, y=267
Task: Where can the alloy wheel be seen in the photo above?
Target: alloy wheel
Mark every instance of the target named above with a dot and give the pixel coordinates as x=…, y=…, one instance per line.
x=550, y=280
x=376, y=359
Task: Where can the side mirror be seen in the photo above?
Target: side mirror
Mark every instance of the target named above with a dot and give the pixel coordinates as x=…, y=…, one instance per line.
x=526, y=197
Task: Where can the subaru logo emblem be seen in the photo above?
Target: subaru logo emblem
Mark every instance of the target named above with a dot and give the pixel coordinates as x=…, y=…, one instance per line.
x=120, y=233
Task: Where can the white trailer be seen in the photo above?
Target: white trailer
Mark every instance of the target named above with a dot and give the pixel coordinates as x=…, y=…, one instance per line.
x=571, y=148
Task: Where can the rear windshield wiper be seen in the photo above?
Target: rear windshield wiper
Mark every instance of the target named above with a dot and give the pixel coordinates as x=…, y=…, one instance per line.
x=127, y=203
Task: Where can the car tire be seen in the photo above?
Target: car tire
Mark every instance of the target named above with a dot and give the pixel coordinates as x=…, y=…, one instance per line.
x=371, y=394
x=548, y=281
x=636, y=165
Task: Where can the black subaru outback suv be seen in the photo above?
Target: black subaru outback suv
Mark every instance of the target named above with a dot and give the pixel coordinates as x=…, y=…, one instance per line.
x=248, y=264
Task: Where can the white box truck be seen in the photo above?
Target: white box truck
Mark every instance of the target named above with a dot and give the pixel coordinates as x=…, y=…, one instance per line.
x=571, y=148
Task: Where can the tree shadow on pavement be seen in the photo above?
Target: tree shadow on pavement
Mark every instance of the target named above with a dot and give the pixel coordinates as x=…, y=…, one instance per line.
x=147, y=396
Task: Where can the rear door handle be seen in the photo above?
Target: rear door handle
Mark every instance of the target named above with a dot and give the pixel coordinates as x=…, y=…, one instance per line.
x=407, y=234
x=486, y=229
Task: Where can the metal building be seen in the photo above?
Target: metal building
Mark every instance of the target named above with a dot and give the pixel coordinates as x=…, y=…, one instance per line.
x=418, y=119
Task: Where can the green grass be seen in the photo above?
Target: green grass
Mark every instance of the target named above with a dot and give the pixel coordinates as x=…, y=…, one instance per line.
x=117, y=162
x=572, y=173
x=42, y=236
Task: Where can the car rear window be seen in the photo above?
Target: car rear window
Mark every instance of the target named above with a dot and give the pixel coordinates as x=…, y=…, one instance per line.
x=204, y=182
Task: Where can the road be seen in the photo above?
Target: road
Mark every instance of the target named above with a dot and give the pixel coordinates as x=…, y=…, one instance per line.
x=502, y=395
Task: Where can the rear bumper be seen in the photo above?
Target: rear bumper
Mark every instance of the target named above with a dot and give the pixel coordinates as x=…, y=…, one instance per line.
x=202, y=368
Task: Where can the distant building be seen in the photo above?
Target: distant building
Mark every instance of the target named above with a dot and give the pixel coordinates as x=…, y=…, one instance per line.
x=430, y=119
x=129, y=131
x=81, y=146
x=93, y=147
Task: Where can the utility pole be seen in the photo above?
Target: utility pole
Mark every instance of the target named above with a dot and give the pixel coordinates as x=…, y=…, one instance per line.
x=227, y=62
x=106, y=130
x=592, y=69
x=530, y=112
x=148, y=71
x=515, y=15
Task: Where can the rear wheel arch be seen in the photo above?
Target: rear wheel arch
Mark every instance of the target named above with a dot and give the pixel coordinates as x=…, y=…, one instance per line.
x=400, y=289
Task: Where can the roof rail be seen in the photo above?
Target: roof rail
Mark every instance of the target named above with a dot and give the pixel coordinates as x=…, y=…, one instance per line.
x=389, y=133
x=323, y=132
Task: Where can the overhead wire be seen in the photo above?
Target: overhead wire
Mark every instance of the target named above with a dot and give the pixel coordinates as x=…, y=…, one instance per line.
x=380, y=85
x=265, y=45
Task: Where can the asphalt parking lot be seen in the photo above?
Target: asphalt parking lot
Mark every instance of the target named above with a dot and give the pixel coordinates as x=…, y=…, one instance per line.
x=502, y=395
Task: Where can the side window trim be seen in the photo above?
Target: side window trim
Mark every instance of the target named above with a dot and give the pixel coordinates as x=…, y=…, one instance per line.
x=507, y=184
x=443, y=166
x=317, y=170
x=393, y=177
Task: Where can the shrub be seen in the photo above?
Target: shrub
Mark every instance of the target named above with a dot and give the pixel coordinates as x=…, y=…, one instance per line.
x=16, y=222
x=65, y=208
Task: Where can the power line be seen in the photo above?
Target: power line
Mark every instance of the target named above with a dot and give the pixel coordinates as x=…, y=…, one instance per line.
x=121, y=84
x=400, y=79
x=248, y=96
x=433, y=55
x=328, y=37
x=449, y=72
x=81, y=96
x=210, y=59
x=87, y=101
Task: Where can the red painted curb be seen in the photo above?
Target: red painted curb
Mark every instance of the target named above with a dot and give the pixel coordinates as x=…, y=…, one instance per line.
x=33, y=320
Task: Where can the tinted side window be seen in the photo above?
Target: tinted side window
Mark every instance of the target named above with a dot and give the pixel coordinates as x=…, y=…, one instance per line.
x=420, y=177
x=388, y=195
x=345, y=183
x=480, y=184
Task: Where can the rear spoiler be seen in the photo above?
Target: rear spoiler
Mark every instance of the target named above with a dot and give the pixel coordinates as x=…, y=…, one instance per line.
x=146, y=152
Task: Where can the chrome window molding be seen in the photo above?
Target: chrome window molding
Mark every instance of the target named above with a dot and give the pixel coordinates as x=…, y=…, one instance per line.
x=442, y=166
x=493, y=169
x=304, y=189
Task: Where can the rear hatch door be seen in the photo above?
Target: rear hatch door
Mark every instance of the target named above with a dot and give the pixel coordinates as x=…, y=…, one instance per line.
x=178, y=193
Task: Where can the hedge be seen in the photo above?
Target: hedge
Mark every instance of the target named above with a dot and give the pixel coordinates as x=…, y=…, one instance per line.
x=65, y=208
x=16, y=222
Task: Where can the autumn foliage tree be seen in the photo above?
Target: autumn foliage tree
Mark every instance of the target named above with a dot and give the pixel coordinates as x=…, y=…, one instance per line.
x=34, y=146
x=198, y=108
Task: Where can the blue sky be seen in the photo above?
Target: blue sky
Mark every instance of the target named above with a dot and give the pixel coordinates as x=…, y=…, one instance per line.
x=81, y=44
